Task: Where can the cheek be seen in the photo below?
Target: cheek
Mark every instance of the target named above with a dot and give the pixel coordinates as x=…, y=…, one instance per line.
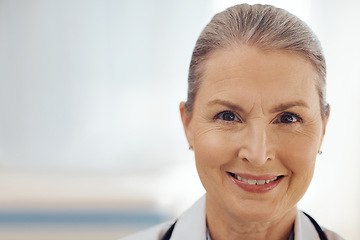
x=212, y=148
x=208, y=151
x=298, y=150
x=298, y=155
x=211, y=153
x=300, y=160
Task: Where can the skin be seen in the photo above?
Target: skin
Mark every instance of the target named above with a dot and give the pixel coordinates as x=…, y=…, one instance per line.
x=256, y=113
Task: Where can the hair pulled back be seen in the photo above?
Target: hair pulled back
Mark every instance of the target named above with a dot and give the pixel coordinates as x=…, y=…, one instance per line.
x=263, y=26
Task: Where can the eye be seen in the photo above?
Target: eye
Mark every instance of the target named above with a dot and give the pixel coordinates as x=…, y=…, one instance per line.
x=227, y=116
x=288, y=118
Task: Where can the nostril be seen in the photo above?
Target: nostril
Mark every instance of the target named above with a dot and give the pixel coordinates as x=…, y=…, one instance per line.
x=255, y=155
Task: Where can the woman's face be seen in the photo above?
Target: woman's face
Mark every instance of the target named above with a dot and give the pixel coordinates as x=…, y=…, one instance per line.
x=256, y=129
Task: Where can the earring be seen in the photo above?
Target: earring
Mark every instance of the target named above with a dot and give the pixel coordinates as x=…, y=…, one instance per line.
x=190, y=148
x=320, y=152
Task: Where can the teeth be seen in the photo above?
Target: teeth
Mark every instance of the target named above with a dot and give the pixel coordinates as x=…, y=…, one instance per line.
x=252, y=182
x=260, y=182
x=273, y=179
x=255, y=182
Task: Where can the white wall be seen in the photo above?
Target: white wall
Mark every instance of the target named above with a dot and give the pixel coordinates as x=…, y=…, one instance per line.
x=95, y=84
x=94, y=87
x=89, y=96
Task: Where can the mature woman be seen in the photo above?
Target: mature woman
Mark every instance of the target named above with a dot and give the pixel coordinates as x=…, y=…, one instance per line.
x=255, y=118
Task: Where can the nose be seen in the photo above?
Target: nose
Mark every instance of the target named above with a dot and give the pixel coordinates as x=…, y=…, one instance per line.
x=254, y=145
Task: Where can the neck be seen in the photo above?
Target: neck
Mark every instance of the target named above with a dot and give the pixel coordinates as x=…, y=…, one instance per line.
x=228, y=226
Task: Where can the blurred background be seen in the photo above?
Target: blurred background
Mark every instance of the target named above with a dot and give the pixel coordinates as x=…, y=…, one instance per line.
x=91, y=142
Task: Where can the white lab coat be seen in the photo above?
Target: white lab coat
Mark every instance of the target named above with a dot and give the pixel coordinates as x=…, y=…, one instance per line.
x=192, y=225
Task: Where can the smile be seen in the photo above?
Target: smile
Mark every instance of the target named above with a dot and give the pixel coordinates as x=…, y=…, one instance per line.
x=255, y=181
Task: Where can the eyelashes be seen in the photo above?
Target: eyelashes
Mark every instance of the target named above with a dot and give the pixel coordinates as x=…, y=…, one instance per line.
x=288, y=118
x=227, y=116
x=282, y=118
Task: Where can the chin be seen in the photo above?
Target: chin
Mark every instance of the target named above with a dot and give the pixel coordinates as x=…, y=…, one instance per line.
x=257, y=210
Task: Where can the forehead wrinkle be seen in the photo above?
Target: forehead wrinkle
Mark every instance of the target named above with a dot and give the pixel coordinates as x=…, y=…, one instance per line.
x=257, y=108
x=221, y=70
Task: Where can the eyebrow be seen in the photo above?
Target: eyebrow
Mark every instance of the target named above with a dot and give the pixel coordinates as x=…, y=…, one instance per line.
x=279, y=108
x=226, y=103
x=284, y=106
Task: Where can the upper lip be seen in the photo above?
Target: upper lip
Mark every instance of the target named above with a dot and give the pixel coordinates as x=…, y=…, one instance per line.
x=257, y=177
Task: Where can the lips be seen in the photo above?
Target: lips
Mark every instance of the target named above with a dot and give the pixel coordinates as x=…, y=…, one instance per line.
x=256, y=184
x=261, y=181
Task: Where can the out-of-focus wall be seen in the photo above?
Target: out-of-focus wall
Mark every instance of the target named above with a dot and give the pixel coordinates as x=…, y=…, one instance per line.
x=90, y=133
x=95, y=84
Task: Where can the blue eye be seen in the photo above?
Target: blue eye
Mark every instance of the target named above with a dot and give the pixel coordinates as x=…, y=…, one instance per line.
x=227, y=116
x=288, y=118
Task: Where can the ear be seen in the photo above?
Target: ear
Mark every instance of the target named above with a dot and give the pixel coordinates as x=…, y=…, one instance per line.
x=325, y=121
x=186, y=121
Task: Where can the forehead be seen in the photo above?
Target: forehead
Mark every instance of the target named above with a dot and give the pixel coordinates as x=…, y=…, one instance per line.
x=245, y=73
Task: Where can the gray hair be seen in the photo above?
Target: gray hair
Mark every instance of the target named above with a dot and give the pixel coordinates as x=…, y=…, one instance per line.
x=265, y=27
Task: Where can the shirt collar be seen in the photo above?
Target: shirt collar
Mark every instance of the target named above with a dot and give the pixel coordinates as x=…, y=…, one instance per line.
x=192, y=225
